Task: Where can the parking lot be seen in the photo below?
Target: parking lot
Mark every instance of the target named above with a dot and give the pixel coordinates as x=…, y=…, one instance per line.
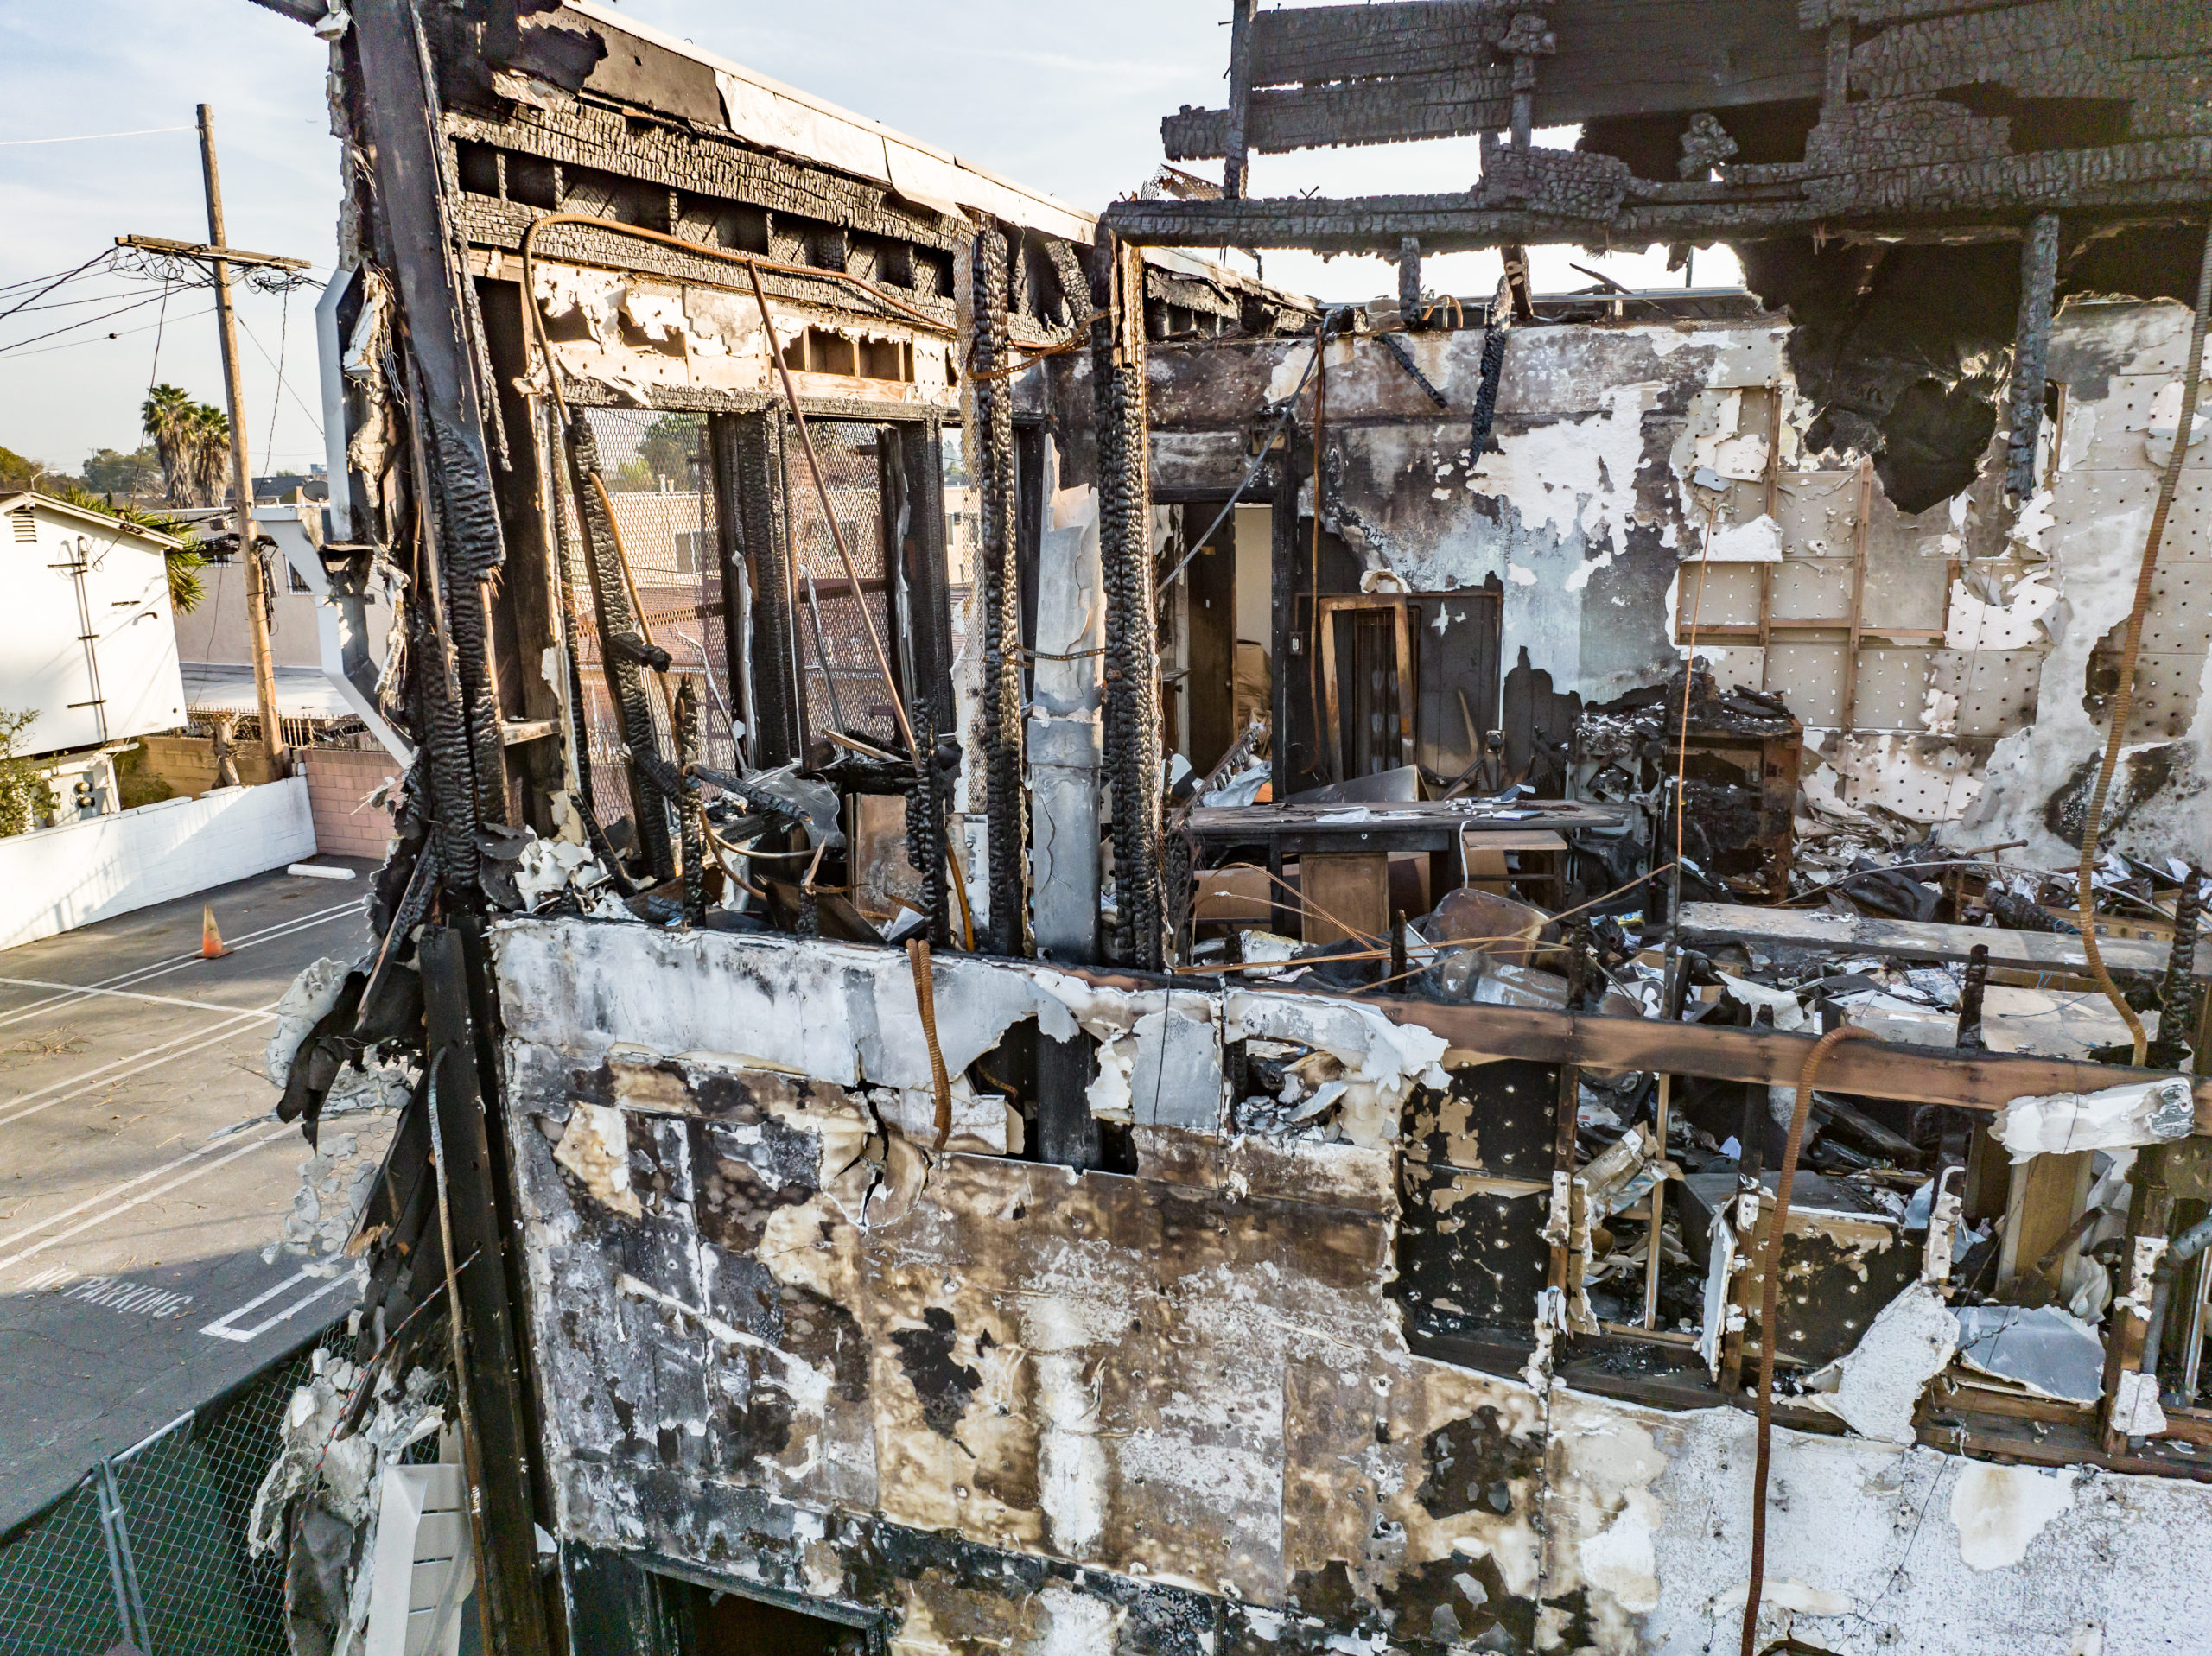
x=142, y=1173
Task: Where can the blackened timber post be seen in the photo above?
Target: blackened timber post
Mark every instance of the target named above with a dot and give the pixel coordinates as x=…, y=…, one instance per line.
x=491, y=1363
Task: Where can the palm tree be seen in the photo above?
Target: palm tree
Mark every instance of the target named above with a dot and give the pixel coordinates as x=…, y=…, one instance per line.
x=209, y=436
x=167, y=417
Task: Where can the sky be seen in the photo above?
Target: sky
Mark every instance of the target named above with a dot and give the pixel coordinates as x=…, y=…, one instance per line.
x=1030, y=92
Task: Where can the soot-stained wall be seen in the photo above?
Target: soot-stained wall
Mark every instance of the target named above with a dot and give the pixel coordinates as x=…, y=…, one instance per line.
x=1950, y=663
x=1012, y=1407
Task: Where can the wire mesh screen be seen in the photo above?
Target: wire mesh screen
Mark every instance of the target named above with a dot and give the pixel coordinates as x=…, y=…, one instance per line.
x=661, y=485
x=161, y=1530
x=844, y=686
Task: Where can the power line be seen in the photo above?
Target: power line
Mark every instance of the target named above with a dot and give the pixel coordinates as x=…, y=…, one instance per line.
x=285, y=385
x=56, y=282
x=89, y=322
x=87, y=137
x=276, y=402
x=68, y=304
x=29, y=282
x=124, y=334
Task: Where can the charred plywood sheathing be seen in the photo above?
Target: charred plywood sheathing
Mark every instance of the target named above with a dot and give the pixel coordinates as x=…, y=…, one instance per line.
x=1017, y=1399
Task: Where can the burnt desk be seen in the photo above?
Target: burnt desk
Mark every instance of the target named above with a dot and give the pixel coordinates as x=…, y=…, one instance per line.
x=1343, y=850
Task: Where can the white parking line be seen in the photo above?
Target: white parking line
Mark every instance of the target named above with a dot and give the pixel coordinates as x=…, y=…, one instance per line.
x=132, y=994
x=270, y=934
x=101, y=1218
x=31, y=1229
x=165, y=1052
x=221, y=1328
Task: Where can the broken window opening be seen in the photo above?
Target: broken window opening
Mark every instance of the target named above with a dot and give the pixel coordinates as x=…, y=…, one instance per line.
x=747, y=1620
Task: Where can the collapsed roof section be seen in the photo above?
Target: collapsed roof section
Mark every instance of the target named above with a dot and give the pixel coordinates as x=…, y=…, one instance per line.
x=1705, y=119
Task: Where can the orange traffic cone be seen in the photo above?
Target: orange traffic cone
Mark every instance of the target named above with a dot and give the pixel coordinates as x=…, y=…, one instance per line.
x=212, y=946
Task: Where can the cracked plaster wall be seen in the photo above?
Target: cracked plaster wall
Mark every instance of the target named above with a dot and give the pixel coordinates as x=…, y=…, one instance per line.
x=1018, y=1408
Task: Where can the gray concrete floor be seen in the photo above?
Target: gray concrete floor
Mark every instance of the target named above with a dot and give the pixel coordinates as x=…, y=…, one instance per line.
x=142, y=1173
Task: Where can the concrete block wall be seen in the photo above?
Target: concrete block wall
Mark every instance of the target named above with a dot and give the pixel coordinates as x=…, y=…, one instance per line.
x=338, y=780
x=188, y=764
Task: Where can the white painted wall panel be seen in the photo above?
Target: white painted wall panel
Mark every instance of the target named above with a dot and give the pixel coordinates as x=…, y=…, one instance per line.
x=56, y=879
x=45, y=663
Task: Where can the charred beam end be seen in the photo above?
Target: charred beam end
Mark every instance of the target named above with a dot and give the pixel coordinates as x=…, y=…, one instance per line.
x=2030, y=349
x=631, y=647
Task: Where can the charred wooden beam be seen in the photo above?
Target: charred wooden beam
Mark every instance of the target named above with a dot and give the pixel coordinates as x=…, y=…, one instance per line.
x=1967, y=1079
x=1972, y=1081
x=2122, y=183
x=1006, y=800
x=498, y=1413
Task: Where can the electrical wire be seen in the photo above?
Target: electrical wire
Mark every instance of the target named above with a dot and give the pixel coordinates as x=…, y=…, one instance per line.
x=1770, y=1309
x=87, y=137
x=161, y=298
x=1259, y=461
x=50, y=285
x=120, y=333
x=283, y=383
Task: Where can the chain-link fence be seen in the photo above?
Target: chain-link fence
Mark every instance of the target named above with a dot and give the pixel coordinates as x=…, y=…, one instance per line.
x=150, y=1548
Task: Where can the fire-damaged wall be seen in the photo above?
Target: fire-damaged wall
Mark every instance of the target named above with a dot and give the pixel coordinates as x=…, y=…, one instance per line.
x=2079, y=543
x=1654, y=490
x=1008, y=1406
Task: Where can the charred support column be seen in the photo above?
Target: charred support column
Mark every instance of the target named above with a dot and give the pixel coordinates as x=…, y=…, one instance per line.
x=444, y=336
x=749, y=477
x=623, y=650
x=1409, y=281
x=2031, y=351
x=2180, y=1001
x=1132, y=679
x=505, y=1445
x=1005, y=805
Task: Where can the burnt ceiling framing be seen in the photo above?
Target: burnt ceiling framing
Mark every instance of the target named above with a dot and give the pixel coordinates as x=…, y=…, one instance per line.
x=1710, y=120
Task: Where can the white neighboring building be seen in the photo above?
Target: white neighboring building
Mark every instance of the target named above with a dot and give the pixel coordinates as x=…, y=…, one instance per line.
x=87, y=637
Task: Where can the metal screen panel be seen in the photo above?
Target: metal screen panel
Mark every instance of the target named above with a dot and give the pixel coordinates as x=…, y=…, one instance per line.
x=844, y=688
x=661, y=486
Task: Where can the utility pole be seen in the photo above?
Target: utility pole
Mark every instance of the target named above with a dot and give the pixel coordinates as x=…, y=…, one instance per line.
x=220, y=258
x=256, y=575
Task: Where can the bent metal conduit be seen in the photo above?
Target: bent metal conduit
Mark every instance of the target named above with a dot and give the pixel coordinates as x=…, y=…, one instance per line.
x=1770, y=1310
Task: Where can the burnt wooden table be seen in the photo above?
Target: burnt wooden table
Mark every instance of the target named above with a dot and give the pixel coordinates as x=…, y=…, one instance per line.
x=1346, y=848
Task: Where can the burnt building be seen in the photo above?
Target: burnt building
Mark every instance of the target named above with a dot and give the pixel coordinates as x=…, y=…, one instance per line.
x=1089, y=957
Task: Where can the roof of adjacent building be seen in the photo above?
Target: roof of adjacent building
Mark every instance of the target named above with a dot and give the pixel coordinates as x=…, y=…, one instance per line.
x=113, y=526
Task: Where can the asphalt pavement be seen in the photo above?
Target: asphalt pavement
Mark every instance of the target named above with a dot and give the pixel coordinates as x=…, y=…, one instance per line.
x=142, y=1174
